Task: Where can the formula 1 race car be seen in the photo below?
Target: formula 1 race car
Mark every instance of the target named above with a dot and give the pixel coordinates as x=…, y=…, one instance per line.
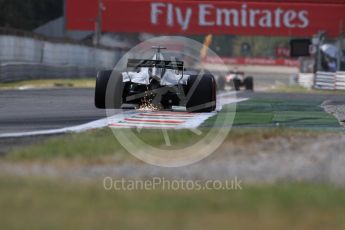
x=155, y=83
x=237, y=79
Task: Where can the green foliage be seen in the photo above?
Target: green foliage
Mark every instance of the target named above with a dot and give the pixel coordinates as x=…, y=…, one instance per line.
x=261, y=46
x=231, y=45
x=28, y=14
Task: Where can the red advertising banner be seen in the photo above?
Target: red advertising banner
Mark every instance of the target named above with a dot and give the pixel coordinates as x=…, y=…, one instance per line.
x=282, y=52
x=253, y=61
x=205, y=17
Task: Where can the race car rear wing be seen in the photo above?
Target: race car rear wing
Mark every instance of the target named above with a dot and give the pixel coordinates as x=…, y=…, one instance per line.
x=140, y=63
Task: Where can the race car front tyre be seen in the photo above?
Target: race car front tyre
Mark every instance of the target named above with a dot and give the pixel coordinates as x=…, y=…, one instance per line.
x=201, y=93
x=101, y=88
x=249, y=83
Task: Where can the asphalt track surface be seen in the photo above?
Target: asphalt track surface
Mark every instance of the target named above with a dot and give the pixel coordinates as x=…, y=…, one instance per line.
x=47, y=109
x=33, y=110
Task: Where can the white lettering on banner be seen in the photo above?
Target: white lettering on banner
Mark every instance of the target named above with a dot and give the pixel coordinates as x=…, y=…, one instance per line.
x=209, y=16
x=228, y=17
x=289, y=17
x=303, y=16
x=278, y=12
x=155, y=11
x=266, y=20
x=183, y=22
x=244, y=15
x=170, y=15
x=252, y=18
x=204, y=11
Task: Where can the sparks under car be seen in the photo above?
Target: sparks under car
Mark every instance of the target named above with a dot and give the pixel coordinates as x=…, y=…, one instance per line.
x=158, y=82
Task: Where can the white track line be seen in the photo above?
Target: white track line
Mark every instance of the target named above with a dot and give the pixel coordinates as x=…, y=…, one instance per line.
x=102, y=123
x=75, y=129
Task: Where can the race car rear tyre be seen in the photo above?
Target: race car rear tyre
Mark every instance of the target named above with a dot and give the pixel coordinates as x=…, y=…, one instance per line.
x=202, y=93
x=109, y=90
x=101, y=88
x=237, y=84
x=249, y=83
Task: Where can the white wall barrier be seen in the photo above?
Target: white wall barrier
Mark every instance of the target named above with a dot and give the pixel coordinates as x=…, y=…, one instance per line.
x=340, y=81
x=306, y=80
x=10, y=72
x=20, y=49
x=105, y=59
x=63, y=54
x=24, y=58
x=325, y=80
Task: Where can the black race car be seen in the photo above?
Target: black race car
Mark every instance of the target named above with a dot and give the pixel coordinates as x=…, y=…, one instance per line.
x=156, y=83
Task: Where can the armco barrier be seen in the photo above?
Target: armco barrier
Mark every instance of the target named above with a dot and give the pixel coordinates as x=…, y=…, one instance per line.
x=11, y=72
x=325, y=80
x=23, y=49
x=340, y=81
x=20, y=49
x=306, y=80
x=67, y=54
x=24, y=58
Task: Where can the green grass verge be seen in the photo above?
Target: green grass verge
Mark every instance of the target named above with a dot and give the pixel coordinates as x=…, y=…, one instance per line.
x=40, y=204
x=101, y=146
x=98, y=145
x=50, y=83
x=300, y=89
x=88, y=146
x=280, y=113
